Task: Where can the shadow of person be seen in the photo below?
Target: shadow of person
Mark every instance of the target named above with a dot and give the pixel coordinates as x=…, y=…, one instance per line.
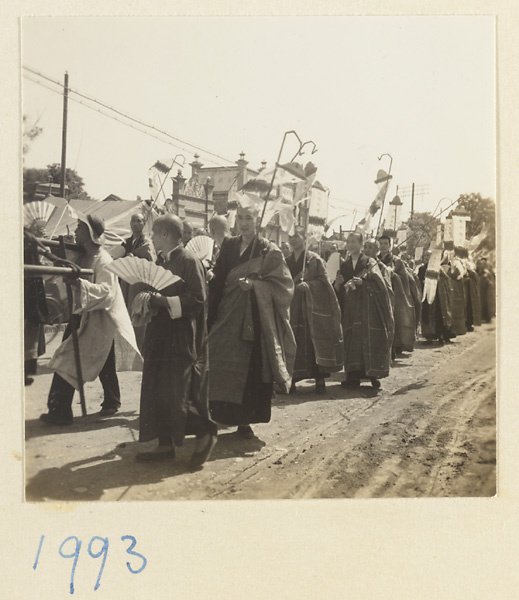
x=231, y=445
x=35, y=428
x=88, y=479
x=334, y=391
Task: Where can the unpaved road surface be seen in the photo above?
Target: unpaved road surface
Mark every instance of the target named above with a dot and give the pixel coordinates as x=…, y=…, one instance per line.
x=429, y=432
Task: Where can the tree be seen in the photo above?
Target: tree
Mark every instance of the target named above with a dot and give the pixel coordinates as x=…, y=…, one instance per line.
x=422, y=232
x=52, y=174
x=482, y=217
x=30, y=133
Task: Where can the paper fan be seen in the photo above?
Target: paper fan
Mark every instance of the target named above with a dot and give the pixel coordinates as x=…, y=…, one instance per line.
x=201, y=246
x=139, y=270
x=333, y=265
x=37, y=211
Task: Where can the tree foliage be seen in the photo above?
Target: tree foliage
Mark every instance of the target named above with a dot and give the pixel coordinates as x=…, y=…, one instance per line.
x=52, y=174
x=29, y=133
x=482, y=217
x=422, y=232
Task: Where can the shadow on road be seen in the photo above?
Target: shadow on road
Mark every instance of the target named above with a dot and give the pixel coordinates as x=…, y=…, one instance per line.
x=88, y=479
x=36, y=428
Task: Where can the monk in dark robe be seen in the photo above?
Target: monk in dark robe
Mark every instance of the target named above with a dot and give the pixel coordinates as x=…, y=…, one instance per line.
x=251, y=344
x=459, y=314
x=404, y=306
x=315, y=317
x=436, y=316
x=174, y=395
x=367, y=319
x=36, y=311
x=487, y=290
x=472, y=298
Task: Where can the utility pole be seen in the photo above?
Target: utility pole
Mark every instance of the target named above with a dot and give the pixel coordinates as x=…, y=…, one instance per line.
x=412, y=201
x=64, y=136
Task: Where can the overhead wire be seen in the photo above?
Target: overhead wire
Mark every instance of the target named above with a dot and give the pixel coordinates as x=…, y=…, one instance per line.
x=125, y=115
x=148, y=133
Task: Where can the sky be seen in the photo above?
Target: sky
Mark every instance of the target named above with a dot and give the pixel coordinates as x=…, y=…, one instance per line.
x=421, y=89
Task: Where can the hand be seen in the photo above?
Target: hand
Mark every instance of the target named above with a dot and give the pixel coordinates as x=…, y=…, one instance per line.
x=73, y=281
x=157, y=300
x=357, y=281
x=339, y=282
x=245, y=284
x=302, y=287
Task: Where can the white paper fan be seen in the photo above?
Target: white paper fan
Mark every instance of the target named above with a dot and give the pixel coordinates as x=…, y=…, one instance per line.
x=333, y=265
x=201, y=246
x=37, y=211
x=139, y=270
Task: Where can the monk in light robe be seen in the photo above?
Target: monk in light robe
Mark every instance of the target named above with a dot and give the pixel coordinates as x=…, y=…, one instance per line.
x=105, y=335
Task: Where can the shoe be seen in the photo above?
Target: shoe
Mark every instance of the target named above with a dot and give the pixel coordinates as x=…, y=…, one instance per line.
x=375, y=382
x=292, y=389
x=320, y=386
x=245, y=431
x=204, y=447
x=156, y=455
x=108, y=412
x=56, y=419
x=29, y=380
x=350, y=383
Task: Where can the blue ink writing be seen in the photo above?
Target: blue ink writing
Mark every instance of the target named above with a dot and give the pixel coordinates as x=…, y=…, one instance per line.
x=38, y=553
x=74, y=555
x=104, y=552
x=130, y=551
x=97, y=548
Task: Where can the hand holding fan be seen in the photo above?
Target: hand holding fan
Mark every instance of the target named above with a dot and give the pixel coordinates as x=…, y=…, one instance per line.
x=139, y=270
x=201, y=246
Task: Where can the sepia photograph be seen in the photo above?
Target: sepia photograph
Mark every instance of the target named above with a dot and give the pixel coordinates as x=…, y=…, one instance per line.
x=259, y=257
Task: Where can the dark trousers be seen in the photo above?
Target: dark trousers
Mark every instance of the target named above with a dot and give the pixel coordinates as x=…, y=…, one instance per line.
x=61, y=392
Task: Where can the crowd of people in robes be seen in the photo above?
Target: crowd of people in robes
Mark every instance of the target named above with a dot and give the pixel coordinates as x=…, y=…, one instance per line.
x=218, y=343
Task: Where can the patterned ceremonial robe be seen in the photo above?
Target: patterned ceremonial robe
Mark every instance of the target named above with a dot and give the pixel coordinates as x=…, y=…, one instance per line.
x=174, y=378
x=367, y=320
x=251, y=344
x=315, y=318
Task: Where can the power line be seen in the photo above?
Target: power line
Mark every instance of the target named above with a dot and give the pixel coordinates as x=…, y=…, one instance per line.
x=126, y=116
x=178, y=146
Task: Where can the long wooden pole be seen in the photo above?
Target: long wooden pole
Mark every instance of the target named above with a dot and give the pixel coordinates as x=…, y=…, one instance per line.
x=75, y=342
x=64, y=137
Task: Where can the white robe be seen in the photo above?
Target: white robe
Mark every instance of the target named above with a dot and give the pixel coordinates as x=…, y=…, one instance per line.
x=104, y=319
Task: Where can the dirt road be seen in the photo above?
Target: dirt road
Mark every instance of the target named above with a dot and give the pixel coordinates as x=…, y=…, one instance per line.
x=429, y=432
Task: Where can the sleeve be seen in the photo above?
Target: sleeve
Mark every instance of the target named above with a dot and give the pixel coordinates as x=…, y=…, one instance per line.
x=193, y=297
x=95, y=296
x=217, y=283
x=146, y=251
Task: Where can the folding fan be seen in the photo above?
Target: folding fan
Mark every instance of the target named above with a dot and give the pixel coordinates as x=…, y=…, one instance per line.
x=139, y=270
x=333, y=265
x=37, y=211
x=201, y=246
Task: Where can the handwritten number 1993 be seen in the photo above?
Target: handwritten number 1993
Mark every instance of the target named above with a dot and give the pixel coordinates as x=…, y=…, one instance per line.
x=97, y=548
